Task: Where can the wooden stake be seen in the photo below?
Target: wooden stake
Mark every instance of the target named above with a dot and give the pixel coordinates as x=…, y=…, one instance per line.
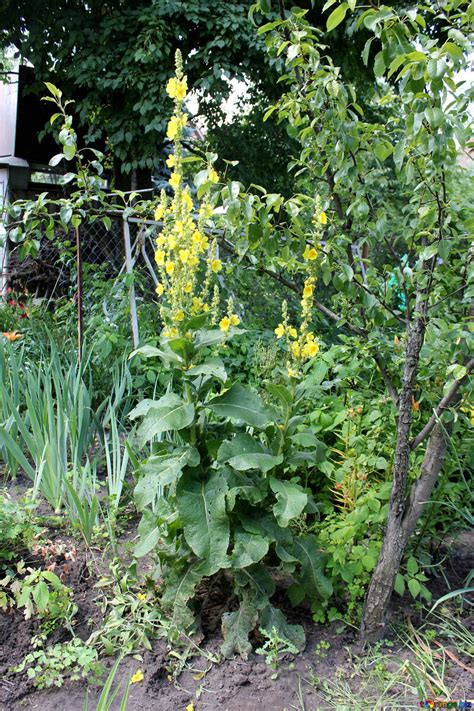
x=80, y=318
x=129, y=269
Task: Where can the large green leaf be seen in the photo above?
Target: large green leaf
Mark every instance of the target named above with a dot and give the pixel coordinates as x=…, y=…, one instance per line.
x=245, y=487
x=179, y=589
x=236, y=627
x=167, y=413
x=239, y=403
x=205, y=339
x=201, y=505
x=265, y=525
x=146, y=544
x=249, y=548
x=273, y=617
x=311, y=578
x=291, y=500
x=260, y=582
x=213, y=367
x=245, y=452
x=152, y=352
x=161, y=471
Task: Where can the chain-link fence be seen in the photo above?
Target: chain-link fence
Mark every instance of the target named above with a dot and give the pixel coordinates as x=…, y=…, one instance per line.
x=108, y=250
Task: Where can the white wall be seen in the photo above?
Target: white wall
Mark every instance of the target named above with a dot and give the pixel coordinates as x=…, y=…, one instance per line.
x=8, y=111
x=3, y=255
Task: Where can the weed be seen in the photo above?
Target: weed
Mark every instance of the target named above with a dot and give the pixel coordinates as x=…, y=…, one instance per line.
x=274, y=648
x=71, y=660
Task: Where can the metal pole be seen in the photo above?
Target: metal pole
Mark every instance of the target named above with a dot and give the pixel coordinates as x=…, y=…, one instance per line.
x=129, y=270
x=80, y=319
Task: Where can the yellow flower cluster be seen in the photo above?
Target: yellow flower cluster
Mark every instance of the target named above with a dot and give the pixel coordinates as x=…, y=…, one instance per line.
x=303, y=345
x=176, y=125
x=177, y=88
x=182, y=247
x=231, y=319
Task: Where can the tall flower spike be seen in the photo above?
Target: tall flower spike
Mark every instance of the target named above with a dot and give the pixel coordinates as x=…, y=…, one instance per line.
x=182, y=246
x=303, y=345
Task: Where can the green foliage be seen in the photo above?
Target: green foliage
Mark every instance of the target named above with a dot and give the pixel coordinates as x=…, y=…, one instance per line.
x=18, y=529
x=59, y=663
x=274, y=648
x=131, y=616
x=246, y=467
x=108, y=695
x=41, y=594
x=127, y=107
x=227, y=502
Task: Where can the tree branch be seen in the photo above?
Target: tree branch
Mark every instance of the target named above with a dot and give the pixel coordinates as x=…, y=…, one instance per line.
x=442, y=406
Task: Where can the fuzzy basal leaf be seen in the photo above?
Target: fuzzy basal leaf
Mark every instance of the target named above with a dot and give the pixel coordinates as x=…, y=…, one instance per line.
x=201, y=505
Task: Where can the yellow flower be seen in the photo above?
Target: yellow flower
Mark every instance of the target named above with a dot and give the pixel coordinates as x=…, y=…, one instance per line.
x=177, y=88
x=197, y=237
x=174, y=180
x=310, y=254
x=169, y=268
x=159, y=289
x=280, y=330
x=193, y=260
x=224, y=325
x=160, y=257
x=137, y=677
x=174, y=125
x=213, y=175
x=295, y=349
x=310, y=349
x=187, y=200
x=205, y=308
x=171, y=161
x=179, y=316
x=292, y=332
x=308, y=291
x=234, y=320
x=190, y=707
x=188, y=288
x=159, y=212
x=184, y=255
x=322, y=218
x=171, y=332
x=171, y=242
x=160, y=241
x=216, y=265
x=141, y=596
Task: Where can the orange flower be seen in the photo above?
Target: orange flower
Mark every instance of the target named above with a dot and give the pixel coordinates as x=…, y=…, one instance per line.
x=415, y=406
x=12, y=335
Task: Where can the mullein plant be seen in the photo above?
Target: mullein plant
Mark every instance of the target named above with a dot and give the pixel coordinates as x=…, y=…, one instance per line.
x=302, y=344
x=187, y=261
x=223, y=480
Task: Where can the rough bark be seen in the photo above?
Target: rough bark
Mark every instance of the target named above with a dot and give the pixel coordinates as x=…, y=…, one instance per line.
x=423, y=487
x=388, y=564
x=381, y=586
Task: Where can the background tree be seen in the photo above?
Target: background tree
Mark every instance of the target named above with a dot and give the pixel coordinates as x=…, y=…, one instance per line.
x=392, y=295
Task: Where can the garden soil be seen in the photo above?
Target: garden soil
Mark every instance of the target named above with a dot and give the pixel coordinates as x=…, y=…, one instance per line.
x=231, y=685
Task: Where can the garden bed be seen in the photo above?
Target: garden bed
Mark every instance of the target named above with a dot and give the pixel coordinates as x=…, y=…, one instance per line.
x=332, y=670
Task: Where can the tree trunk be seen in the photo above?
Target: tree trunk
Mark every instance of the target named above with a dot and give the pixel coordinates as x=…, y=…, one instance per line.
x=388, y=564
x=399, y=533
x=430, y=469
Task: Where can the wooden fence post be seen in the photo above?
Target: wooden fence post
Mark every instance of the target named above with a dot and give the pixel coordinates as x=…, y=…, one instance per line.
x=129, y=270
x=80, y=317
